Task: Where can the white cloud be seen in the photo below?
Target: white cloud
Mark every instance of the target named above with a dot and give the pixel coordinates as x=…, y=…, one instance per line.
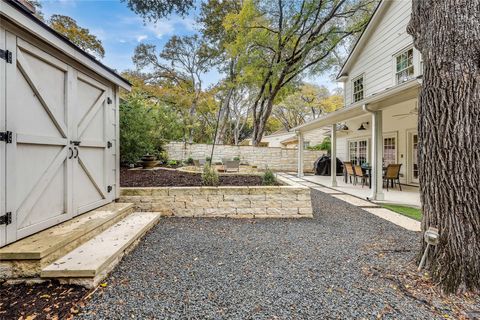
x=141, y=37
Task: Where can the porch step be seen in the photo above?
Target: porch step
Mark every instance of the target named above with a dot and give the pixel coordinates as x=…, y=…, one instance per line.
x=25, y=258
x=90, y=263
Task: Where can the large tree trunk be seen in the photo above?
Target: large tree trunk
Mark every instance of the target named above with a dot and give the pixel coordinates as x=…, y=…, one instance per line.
x=447, y=33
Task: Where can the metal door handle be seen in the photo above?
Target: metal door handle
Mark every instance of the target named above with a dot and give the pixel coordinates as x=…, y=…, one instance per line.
x=71, y=153
x=76, y=156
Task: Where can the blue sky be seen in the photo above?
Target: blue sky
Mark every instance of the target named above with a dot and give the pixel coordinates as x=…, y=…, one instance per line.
x=120, y=30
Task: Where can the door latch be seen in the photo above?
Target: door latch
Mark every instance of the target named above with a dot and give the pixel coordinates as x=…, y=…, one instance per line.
x=109, y=189
x=109, y=144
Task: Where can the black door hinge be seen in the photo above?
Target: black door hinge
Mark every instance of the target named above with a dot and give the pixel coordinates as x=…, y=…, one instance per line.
x=109, y=189
x=6, y=219
x=109, y=101
x=6, y=136
x=6, y=55
x=109, y=144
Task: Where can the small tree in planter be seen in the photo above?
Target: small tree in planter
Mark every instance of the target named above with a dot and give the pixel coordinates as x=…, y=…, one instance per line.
x=210, y=176
x=269, y=178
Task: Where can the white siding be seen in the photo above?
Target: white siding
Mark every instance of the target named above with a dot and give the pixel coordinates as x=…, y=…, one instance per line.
x=392, y=126
x=375, y=60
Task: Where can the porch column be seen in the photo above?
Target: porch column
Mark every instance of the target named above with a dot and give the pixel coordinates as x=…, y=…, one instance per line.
x=333, y=155
x=377, y=156
x=300, y=154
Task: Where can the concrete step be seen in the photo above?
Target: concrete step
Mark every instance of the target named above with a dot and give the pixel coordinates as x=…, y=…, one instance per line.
x=25, y=258
x=90, y=263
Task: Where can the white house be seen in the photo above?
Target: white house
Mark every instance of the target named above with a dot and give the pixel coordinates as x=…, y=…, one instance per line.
x=288, y=139
x=59, y=148
x=381, y=78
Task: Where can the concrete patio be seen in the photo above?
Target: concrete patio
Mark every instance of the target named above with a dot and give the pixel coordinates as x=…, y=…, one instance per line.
x=409, y=195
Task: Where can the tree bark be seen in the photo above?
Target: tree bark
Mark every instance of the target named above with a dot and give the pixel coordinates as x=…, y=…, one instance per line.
x=447, y=33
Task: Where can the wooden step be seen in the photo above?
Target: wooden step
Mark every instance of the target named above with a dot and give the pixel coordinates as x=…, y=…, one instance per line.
x=25, y=258
x=90, y=263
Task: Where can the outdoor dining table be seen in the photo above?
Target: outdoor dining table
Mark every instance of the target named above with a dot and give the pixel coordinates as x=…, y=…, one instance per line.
x=368, y=170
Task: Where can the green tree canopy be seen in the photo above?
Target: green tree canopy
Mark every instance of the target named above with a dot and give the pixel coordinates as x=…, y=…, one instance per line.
x=81, y=37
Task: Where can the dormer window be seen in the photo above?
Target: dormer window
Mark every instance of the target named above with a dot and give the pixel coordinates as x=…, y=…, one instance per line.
x=358, y=89
x=404, y=66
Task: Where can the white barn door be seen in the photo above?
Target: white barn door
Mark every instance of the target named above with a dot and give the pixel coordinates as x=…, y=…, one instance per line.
x=92, y=144
x=38, y=112
x=3, y=145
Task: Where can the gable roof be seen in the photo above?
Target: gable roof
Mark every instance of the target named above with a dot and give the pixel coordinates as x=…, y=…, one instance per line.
x=16, y=12
x=357, y=48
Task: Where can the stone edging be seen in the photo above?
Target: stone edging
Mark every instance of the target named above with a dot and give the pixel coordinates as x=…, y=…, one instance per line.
x=232, y=202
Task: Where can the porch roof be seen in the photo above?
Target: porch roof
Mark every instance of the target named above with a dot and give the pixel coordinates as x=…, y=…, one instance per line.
x=377, y=101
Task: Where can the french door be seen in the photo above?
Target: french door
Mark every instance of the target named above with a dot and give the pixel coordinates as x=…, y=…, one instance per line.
x=413, y=157
x=57, y=165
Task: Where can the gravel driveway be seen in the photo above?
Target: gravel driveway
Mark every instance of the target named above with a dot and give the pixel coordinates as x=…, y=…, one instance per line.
x=264, y=269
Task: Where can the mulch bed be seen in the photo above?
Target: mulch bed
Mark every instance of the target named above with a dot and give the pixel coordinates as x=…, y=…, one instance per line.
x=171, y=178
x=48, y=300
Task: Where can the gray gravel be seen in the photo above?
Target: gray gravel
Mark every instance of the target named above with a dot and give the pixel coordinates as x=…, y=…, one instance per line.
x=264, y=269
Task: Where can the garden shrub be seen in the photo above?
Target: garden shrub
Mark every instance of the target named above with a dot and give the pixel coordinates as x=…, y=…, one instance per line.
x=189, y=161
x=269, y=178
x=172, y=163
x=138, y=134
x=236, y=158
x=162, y=156
x=210, y=176
x=209, y=160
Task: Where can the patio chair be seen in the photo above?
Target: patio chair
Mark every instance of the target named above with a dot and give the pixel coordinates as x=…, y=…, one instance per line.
x=360, y=174
x=233, y=165
x=392, y=175
x=350, y=172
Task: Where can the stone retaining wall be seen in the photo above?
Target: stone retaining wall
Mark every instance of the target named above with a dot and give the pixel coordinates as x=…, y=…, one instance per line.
x=277, y=159
x=231, y=202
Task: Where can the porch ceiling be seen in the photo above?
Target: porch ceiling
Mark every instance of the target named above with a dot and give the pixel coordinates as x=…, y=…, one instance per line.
x=389, y=97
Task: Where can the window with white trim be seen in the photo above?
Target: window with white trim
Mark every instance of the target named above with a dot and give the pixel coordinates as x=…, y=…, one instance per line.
x=357, y=151
x=358, y=89
x=404, y=66
x=389, y=150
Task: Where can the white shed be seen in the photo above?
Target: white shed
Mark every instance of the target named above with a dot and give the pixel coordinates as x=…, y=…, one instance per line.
x=59, y=148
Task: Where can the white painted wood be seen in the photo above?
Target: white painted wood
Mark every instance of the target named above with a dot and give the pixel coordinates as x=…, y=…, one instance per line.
x=300, y=154
x=333, y=156
x=3, y=229
x=93, y=127
x=374, y=56
x=50, y=104
x=37, y=162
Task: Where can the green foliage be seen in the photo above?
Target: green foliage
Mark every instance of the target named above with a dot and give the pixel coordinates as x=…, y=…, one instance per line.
x=209, y=159
x=81, y=37
x=162, y=156
x=189, y=161
x=210, y=176
x=325, y=145
x=410, y=212
x=236, y=158
x=137, y=130
x=277, y=42
x=154, y=10
x=172, y=163
x=268, y=178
